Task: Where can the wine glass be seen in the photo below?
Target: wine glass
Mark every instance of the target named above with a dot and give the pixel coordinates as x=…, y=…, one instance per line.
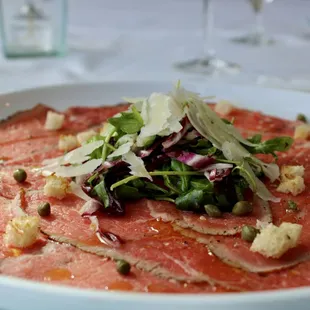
x=208, y=63
x=258, y=35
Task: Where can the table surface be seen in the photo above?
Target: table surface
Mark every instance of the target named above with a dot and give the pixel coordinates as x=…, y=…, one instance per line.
x=141, y=39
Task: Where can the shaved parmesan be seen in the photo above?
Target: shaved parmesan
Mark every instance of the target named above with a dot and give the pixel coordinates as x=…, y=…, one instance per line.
x=136, y=165
x=74, y=171
x=79, y=155
x=123, y=149
x=78, y=191
x=161, y=115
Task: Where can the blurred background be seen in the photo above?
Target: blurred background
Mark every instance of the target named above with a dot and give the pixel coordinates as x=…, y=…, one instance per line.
x=260, y=42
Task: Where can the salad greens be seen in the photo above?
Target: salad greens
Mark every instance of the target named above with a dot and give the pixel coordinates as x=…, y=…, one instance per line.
x=173, y=147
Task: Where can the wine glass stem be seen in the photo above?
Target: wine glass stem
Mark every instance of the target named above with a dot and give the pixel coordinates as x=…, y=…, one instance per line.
x=259, y=23
x=208, y=26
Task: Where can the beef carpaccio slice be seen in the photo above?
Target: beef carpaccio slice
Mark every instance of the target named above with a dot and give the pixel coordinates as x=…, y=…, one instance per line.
x=165, y=257
x=53, y=262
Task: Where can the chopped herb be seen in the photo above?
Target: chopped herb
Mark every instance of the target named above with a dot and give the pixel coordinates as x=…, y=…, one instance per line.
x=292, y=205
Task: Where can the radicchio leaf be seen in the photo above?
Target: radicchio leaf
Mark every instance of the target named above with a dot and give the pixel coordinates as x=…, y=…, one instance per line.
x=217, y=172
x=150, y=150
x=176, y=137
x=196, y=161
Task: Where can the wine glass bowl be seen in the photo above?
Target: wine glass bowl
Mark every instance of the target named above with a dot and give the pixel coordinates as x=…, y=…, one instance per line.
x=258, y=35
x=208, y=63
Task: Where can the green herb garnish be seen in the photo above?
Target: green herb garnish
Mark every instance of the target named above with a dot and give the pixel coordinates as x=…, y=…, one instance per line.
x=128, y=122
x=292, y=205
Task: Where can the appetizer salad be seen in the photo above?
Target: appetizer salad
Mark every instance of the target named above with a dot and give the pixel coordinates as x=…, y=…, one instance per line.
x=171, y=147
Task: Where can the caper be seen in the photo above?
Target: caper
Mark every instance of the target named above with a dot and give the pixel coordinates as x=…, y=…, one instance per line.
x=20, y=175
x=248, y=233
x=301, y=117
x=213, y=211
x=123, y=267
x=44, y=209
x=242, y=208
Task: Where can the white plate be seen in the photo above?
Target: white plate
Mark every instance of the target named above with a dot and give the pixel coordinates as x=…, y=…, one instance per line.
x=16, y=294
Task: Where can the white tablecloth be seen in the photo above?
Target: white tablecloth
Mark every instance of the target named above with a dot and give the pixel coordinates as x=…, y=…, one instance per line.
x=141, y=39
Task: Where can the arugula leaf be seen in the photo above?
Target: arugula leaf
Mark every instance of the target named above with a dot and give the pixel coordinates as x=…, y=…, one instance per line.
x=178, y=166
x=148, y=141
x=169, y=182
x=203, y=184
x=112, y=204
x=91, y=179
x=246, y=175
x=101, y=192
x=240, y=185
x=222, y=201
x=279, y=144
x=201, y=143
x=191, y=200
x=96, y=154
x=128, y=192
x=139, y=183
x=128, y=122
x=255, y=139
x=154, y=187
x=165, y=199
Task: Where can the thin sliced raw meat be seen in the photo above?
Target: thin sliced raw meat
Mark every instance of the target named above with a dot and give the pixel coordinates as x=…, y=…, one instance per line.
x=28, y=148
x=9, y=187
x=149, y=244
x=258, y=122
x=236, y=252
x=64, y=264
x=35, y=159
x=25, y=125
x=81, y=118
x=29, y=124
x=226, y=225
